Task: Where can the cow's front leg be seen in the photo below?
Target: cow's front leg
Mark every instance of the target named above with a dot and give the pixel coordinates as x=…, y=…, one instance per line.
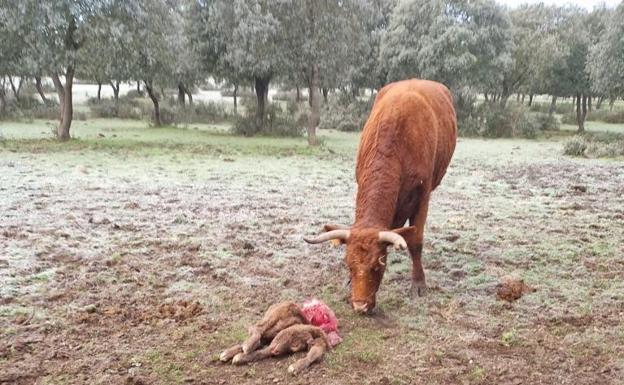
x=415, y=246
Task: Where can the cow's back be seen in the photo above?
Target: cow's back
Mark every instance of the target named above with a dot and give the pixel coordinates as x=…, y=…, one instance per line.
x=412, y=128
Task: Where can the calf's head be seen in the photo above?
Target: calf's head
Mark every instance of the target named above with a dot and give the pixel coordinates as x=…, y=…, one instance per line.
x=365, y=258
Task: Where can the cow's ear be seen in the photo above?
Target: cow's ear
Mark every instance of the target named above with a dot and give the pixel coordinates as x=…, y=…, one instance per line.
x=331, y=227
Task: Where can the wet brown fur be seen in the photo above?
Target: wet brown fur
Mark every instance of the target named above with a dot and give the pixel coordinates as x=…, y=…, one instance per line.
x=405, y=149
x=293, y=339
x=277, y=318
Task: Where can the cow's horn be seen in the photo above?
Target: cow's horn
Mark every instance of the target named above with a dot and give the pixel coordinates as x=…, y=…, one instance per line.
x=341, y=234
x=394, y=238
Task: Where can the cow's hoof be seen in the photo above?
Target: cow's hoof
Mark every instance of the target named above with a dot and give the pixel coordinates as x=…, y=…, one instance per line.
x=419, y=289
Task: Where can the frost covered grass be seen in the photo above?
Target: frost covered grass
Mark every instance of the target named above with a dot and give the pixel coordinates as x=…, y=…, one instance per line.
x=99, y=233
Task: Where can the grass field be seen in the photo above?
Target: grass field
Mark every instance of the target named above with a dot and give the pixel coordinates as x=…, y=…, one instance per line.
x=134, y=255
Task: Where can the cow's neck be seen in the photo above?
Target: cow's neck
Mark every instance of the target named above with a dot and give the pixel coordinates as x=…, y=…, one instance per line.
x=376, y=200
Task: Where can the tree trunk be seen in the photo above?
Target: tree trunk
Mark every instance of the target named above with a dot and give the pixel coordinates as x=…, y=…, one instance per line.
x=485, y=95
x=99, y=93
x=262, y=93
x=315, y=111
x=504, y=95
x=39, y=87
x=298, y=99
x=355, y=92
x=530, y=100
x=115, y=87
x=325, y=91
x=67, y=113
x=553, y=104
x=60, y=91
x=181, y=95
x=139, y=88
x=154, y=98
x=16, y=90
x=190, y=97
x=517, y=97
x=599, y=103
x=522, y=99
x=2, y=99
x=589, y=103
x=235, y=99
x=581, y=112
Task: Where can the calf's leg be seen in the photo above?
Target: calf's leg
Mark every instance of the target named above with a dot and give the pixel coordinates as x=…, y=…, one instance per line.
x=231, y=352
x=245, y=358
x=314, y=354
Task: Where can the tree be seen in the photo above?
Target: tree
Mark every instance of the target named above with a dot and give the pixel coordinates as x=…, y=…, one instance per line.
x=606, y=57
x=319, y=47
x=245, y=38
x=463, y=44
x=368, y=71
x=150, y=58
x=57, y=31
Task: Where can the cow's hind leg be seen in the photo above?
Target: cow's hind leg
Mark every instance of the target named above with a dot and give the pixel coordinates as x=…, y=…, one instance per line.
x=415, y=245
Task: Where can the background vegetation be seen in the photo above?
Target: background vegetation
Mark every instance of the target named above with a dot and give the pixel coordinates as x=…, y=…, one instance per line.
x=502, y=64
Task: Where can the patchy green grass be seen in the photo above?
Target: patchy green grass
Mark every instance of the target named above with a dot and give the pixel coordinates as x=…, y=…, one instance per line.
x=141, y=217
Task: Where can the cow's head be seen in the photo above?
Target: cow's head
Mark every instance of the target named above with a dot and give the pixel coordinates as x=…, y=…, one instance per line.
x=366, y=259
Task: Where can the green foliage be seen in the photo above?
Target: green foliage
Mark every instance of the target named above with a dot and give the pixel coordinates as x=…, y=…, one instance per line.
x=278, y=122
x=595, y=145
x=345, y=114
x=494, y=121
x=614, y=117
x=171, y=113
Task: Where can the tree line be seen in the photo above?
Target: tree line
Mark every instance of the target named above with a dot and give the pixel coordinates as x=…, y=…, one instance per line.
x=476, y=47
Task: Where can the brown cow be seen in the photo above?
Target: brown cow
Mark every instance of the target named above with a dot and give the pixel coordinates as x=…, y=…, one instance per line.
x=405, y=148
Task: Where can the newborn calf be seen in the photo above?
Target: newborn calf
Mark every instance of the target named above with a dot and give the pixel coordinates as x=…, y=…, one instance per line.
x=279, y=317
x=291, y=340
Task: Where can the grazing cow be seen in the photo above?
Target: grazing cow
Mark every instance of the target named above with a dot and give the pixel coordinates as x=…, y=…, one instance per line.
x=405, y=149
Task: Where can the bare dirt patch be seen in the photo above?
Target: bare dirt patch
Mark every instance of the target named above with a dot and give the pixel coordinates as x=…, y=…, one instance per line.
x=144, y=268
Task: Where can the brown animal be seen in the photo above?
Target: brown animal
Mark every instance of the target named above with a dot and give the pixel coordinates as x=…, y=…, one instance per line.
x=293, y=339
x=405, y=149
x=277, y=318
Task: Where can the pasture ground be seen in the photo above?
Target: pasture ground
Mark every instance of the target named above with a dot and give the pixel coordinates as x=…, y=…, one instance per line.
x=135, y=255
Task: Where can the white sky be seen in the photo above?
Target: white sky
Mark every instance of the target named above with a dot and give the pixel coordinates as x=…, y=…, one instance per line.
x=589, y=4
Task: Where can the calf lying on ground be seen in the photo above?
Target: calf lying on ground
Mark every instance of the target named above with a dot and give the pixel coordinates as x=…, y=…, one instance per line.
x=293, y=339
x=277, y=318
x=289, y=328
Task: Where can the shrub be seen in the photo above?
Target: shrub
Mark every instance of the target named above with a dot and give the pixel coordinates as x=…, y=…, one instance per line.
x=242, y=93
x=133, y=94
x=596, y=145
x=125, y=108
x=277, y=122
x=614, y=117
x=575, y=146
x=493, y=121
x=569, y=118
x=546, y=122
x=287, y=96
x=345, y=114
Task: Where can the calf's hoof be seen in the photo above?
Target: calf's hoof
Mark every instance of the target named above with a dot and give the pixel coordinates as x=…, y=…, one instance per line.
x=239, y=359
x=229, y=353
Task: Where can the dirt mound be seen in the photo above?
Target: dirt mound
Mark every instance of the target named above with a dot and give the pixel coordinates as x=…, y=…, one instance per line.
x=512, y=289
x=180, y=310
